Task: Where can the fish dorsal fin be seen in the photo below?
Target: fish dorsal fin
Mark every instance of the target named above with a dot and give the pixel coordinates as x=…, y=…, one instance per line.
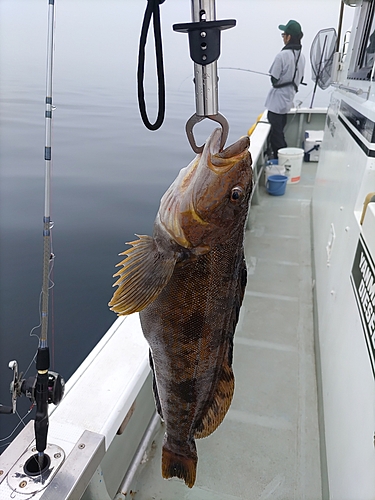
x=145, y=272
x=222, y=399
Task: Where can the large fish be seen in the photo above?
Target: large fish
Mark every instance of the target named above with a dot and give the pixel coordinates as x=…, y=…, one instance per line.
x=188, y=281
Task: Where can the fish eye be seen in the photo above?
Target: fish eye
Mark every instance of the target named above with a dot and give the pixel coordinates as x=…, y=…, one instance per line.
x=236, y=194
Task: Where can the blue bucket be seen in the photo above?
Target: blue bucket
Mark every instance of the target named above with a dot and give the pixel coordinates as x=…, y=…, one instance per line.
x=276, y=184
x=273, y=162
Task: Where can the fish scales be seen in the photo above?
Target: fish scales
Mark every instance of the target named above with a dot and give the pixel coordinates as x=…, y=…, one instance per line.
x=192, y=345
x=190, y=303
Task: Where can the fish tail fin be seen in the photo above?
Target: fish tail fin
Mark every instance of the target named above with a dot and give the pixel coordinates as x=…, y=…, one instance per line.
x=176, y=465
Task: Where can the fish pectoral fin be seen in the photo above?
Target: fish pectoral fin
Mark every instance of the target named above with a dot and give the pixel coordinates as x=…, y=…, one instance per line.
x=145, y=272
x=221, y=401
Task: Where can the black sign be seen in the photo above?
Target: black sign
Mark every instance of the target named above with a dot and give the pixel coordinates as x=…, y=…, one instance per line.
x=363, y=281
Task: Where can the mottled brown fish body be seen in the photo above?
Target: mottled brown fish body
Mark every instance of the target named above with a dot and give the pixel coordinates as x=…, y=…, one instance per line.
x=191, y=345
x=193, y=297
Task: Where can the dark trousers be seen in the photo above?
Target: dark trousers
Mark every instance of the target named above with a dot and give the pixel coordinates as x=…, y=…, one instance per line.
x=277, y=139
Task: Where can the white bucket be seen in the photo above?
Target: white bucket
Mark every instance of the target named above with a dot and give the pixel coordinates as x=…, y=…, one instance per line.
x=273, y=168
x=291, y=159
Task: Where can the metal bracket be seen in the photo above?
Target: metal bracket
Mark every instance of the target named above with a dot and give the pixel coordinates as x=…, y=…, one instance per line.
x=77, y=470
x=204, y=41
x=352, y=90
x=23, y=482
x=204, y=38
x=194, y=119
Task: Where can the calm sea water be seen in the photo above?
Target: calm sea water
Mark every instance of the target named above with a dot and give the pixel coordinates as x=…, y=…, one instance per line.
x=109, y=171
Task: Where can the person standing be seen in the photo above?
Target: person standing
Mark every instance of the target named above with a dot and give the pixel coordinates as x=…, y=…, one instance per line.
x=286, y=72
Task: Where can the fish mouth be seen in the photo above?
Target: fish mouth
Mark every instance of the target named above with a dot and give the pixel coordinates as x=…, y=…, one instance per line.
x=178, y=206
x=169, y=216
x=222, y=161
x=212, y=145
x=178, y=201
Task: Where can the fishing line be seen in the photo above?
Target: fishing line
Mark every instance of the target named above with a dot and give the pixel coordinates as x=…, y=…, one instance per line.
x=267, y=74
x=16, y=427
x=184, y=80
x=52, y=284
x=228, y=67
x=300, y=105
x=52, y=322
x=31, y=334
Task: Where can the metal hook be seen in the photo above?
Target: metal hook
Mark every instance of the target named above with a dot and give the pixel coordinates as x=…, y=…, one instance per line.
x=193, y=120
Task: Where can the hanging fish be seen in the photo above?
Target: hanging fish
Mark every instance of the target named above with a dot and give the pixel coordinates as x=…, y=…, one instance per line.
x=188, y=281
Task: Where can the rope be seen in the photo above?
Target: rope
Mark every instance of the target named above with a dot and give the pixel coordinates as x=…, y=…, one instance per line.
x=152, y=9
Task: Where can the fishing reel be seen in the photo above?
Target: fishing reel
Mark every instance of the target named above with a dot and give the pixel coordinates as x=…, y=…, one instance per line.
x=22, y=386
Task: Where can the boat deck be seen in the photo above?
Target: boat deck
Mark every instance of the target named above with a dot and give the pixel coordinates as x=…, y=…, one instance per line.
x=268, y=445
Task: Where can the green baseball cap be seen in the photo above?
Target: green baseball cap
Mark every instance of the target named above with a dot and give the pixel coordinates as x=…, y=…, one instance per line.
x=292, y=28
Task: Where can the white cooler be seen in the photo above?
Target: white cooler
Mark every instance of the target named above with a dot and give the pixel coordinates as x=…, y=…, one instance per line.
x=312, y=143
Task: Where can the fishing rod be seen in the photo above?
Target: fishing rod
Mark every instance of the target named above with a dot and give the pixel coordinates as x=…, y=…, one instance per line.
x=47, y=386
x=252, y=71
x=244, y=69
x=42, y=360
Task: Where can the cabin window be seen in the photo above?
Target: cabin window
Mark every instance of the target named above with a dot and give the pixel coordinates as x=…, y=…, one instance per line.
x=364, y=45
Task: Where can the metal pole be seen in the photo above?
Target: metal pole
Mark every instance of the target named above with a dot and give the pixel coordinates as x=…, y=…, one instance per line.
x=319, y=71
x=340, y=26
x=148, y=435
x=205, y=77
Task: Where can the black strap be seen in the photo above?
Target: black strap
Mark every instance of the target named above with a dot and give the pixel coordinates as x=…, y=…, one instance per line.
x=152, y=9
x=286, y=84
x=292, y=82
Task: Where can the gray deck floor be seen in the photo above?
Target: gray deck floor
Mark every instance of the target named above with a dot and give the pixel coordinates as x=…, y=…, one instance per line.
x=268, y=445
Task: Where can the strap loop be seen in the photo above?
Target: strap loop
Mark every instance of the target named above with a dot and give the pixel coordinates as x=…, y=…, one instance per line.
x=152, y=9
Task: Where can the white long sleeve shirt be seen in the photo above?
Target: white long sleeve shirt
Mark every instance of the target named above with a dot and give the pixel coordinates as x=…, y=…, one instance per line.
x=280, y=100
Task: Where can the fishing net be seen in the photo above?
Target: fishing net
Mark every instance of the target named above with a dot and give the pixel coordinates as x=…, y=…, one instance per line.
x=321, y=57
